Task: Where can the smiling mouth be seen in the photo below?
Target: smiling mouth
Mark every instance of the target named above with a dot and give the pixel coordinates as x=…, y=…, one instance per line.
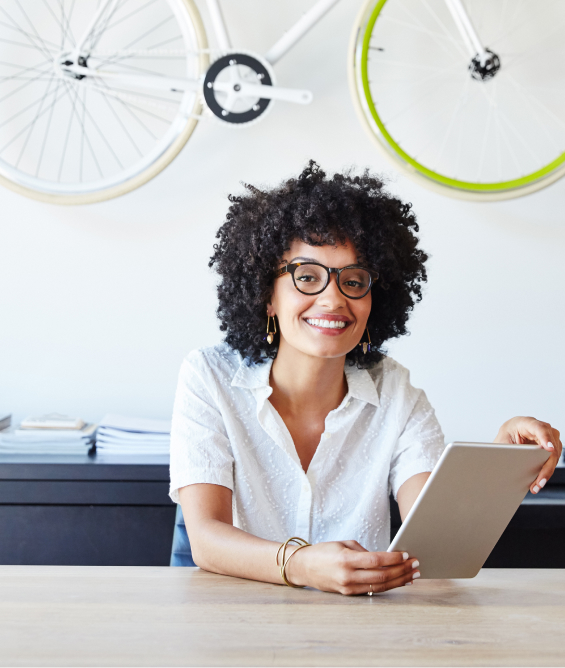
x=329, y=325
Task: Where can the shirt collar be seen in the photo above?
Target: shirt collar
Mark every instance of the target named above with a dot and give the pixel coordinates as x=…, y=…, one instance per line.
x=361, y=385
x=256, y=376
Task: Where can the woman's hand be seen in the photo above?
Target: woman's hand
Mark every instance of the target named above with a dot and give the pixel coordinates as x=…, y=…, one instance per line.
x=529, y=430
x=345, y=567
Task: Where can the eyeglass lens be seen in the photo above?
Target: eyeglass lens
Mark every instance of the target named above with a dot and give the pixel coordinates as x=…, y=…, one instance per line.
x=312, y=278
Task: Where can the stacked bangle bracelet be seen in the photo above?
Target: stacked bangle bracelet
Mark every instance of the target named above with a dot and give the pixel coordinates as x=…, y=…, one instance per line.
x=284, y=560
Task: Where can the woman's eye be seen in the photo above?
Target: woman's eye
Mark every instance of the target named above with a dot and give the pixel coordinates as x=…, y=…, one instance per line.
x=353, y=284
x=307, y=278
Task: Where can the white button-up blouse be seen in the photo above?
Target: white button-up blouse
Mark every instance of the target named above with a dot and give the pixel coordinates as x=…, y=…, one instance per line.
x=226, y=432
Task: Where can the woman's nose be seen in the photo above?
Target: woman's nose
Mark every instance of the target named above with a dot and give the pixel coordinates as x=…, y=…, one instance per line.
x=331, y=296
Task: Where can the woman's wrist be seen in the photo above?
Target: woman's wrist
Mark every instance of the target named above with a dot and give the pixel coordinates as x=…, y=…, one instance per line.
x=295, y=570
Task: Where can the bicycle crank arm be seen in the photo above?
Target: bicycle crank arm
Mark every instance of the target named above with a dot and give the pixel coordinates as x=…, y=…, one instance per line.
x=241, y=89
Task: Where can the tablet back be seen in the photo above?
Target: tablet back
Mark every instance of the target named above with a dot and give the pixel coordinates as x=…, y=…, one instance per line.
x=465, y=505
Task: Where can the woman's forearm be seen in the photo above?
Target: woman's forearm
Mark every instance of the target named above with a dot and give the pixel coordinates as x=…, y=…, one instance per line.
x=216, y=544
x=222, y=548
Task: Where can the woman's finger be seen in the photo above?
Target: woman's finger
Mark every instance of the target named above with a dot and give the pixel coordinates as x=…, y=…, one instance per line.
x=549, y=467
x=382, y=575
x=379, y=587
x=373, y=560
x=545, y=474
x=354, y=545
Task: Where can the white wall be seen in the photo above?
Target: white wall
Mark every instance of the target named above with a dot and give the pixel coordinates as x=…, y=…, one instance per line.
x=99, y=304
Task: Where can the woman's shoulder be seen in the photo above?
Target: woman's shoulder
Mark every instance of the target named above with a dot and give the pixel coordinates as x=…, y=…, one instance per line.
x=391, y=377
x=220, y=360
x=388, y=369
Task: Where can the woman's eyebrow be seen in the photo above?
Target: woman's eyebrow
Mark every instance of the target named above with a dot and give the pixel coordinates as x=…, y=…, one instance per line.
x=303, y=259
x=311, y=259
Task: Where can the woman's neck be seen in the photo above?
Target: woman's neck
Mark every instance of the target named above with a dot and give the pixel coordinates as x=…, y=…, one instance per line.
x=305, y=384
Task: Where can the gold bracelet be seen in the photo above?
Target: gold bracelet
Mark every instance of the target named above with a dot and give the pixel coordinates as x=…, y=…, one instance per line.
x=284, y=561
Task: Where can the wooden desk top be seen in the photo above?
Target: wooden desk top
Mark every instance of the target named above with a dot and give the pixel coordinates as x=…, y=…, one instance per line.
x=112, y=616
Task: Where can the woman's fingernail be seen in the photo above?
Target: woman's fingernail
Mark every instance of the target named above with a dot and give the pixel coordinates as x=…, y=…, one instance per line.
x=405, y=555
x=415, y=575
x=416, y=564
x=550, y=446
x=536, y=489
x=407, y=583
x=542, y=482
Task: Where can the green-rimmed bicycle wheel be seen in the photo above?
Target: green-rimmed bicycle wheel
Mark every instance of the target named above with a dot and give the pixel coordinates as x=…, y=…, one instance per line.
x=412, y=82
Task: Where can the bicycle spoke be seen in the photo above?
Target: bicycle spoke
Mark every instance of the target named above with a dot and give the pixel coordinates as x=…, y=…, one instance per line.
x=428, y=91
x=419, y=28
x=32, y=26
x=58, y=21
x=22, y=151
x=124, y=18
x=82, y=123
x=26, y=34
x=127, y=107
x=38, y=167
x=42, y=74
x=24, y=68
x=66, y=21
x=69, y=126
x=102, y=29
x=136, y=147
x=17, y=90
x=458, y=106
x=17, y=136
x=439, y=22
x=149, y=113
x=538, y=103
x=101, y=134
x=485, y=137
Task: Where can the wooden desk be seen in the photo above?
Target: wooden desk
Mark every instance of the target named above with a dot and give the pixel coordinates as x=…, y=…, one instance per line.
x=141, y=616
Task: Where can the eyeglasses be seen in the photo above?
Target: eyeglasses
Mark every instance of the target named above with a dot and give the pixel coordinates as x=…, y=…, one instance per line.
x=311, y=278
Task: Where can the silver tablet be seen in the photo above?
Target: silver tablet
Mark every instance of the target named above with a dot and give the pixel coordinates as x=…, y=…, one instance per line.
x=465, y=505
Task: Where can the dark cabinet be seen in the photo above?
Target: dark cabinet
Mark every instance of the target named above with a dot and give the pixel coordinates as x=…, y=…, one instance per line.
x=85, y=511
x=92, y=511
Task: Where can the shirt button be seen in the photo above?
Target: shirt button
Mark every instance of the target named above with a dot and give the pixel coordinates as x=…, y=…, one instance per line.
x=347, y=404
x=327, y=434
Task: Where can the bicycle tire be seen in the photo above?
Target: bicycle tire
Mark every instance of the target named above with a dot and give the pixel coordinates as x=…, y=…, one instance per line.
x=368, y=113
x=161, y=161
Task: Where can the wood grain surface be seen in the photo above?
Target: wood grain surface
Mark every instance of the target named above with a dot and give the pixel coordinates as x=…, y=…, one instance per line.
x=138, y=616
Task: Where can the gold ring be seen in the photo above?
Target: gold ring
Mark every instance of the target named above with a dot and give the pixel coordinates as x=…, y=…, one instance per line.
x=370, y=593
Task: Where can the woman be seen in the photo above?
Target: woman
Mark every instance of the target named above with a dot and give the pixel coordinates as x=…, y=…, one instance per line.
x=299, y=425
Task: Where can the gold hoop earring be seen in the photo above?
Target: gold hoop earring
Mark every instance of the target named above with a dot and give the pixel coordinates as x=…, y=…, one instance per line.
x=271, y=335
x=366, y=344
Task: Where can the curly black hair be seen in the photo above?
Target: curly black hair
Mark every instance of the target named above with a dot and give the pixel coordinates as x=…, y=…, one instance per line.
x=261, y=225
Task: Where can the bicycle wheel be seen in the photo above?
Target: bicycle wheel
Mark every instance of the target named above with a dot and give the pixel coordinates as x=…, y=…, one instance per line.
x=417, y=93
x=72, y=139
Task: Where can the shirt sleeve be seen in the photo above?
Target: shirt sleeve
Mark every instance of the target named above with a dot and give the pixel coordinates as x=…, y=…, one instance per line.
x=421, y=441
x=200, y=449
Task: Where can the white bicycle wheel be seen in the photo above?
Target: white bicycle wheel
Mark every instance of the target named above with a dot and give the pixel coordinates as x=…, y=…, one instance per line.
x=438, y=119
x=70, y=139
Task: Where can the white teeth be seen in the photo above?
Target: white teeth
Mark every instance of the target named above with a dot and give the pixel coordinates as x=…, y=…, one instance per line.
x=329, y=324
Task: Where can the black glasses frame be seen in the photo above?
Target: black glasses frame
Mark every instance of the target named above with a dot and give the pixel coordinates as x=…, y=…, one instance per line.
x=291, y=268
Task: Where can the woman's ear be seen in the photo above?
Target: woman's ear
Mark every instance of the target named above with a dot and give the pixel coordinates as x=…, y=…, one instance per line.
x=270, y=310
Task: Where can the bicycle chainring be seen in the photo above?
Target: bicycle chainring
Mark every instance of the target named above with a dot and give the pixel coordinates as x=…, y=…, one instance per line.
x=249, y=68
